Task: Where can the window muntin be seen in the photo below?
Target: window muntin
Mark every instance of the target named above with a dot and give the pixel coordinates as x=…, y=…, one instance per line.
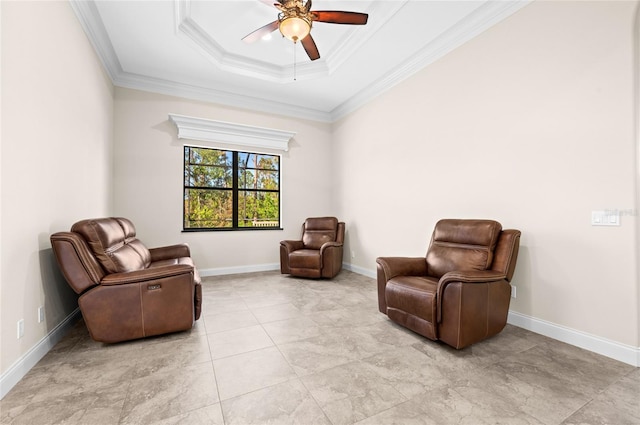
x=230, y=190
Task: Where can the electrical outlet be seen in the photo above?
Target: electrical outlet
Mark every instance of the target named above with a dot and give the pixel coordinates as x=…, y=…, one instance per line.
x=513, y=291
x=20, y=328
x=41, y=314
x=353, y=254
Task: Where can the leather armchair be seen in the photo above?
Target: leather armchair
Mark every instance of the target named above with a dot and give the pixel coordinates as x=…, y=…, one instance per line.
x=126, y=290
x=460, y=292
x=318, y=253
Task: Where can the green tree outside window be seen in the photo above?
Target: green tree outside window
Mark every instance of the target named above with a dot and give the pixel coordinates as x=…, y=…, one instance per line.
x=230, y=190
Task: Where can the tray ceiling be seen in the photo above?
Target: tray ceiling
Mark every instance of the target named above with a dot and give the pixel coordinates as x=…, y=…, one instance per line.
x=193, y=49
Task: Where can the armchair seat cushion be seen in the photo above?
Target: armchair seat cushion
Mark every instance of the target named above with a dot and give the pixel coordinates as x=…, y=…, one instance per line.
x=415, y=295
x=409, y=296
x=305, y=259
x=181, y=260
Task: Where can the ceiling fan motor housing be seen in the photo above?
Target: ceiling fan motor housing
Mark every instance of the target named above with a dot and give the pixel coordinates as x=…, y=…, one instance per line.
x=295, y=19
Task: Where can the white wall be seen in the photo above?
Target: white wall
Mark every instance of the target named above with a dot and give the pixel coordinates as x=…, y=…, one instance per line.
x=531, y=124
x=57, y=130
x=148, y=180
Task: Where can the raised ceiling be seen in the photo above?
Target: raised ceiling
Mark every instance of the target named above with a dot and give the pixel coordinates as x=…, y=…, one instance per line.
x=193, y=49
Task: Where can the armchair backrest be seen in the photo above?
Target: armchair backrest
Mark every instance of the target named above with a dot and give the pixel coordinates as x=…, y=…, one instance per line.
x=97, y=247
x=506, y=252
x=114, y=244
x=462, y=245
x=79, y=266
x=316, y=231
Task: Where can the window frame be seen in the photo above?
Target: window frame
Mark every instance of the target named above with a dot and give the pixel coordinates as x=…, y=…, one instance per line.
x=235, y=189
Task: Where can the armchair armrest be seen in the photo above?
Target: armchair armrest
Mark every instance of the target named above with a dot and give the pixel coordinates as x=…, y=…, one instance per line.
x=328, y=245
x=291, y=246
x=471, y=276
x=466, y=276
x=170, y=252
x=153, y=273
x=402, y=266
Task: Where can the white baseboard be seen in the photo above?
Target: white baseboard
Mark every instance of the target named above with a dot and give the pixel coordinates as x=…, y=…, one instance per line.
x=270, y=267
x=19, y=369
x=360, y=270
x=608, y=348
x=612, y=349
x=239, y=269
x=273, y=266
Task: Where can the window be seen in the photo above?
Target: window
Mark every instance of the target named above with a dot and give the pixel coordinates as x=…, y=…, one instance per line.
x=228, y=190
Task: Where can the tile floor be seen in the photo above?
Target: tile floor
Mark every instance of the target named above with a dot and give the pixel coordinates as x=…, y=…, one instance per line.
x=280, y=350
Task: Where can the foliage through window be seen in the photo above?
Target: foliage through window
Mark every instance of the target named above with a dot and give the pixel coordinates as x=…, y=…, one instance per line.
x=230, y=190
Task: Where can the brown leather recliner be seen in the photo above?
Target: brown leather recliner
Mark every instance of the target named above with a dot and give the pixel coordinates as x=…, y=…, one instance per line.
x=318, y=253
x=460, y=292
x=126, y=290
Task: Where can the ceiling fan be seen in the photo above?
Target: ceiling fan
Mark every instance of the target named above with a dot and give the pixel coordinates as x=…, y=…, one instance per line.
x=296, y=18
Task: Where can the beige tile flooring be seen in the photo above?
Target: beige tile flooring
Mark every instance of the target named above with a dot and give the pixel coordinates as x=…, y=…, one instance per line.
x=273, y=349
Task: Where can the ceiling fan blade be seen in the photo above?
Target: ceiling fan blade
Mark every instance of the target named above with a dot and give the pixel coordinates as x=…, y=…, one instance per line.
x=340, y=17
x=267, y=2
x=310, y=47
x=261, y=32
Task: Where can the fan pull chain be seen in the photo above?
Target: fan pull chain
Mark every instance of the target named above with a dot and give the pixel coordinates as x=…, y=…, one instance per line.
x=294, y=60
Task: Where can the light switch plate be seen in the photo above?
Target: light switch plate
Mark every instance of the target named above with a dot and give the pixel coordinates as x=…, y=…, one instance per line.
x=605, y=218
x=20, y=328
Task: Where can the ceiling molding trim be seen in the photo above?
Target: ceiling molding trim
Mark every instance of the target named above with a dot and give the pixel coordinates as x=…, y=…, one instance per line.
x=207, y=130
x=185, y=91
x=181, y=9
x=481, y=19
x=192, y=33
x=490, y=13
x=89, y=18
x=381, y=13
x=241, y=65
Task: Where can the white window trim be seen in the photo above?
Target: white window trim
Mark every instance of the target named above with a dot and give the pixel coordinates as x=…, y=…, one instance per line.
x=230, y=133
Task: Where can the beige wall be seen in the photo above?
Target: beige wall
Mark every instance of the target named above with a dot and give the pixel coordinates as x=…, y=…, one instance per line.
x=148, y=182
x=57, y=129
x=636, y=73
x=532, y=124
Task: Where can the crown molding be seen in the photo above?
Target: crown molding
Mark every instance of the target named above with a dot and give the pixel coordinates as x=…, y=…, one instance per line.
x=89, y=17
x=90, y=20
x=490, y=13
x=487, y=15
x=189, y=29
x=220, y=97
x=193, y=33
x=231, y=133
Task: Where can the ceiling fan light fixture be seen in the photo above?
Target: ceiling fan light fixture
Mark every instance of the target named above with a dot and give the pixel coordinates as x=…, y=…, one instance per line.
x=296, y=19
x=295, y=28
